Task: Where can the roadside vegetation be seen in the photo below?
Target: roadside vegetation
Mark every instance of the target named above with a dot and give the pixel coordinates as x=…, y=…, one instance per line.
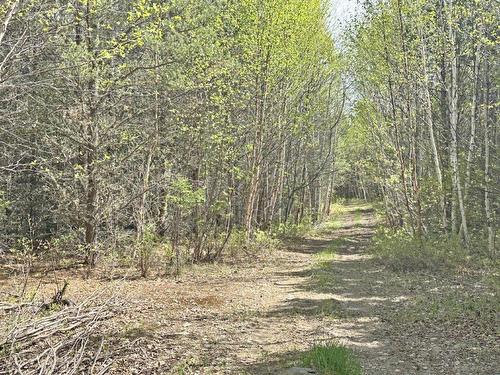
x=332, y=359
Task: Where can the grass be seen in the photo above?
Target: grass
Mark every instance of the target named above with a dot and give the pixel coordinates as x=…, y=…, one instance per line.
x=455, y=290
x=454, y=307
x=139, y=329
x=326, y=255
x=332, y=359
x=331, y=308
x=358, y=218
x=401, y=252
x=321, y=271
x=186, y=367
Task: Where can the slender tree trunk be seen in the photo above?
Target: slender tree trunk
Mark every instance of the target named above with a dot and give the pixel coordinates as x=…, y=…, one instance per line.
x=141, y=215
x=91, y=198
x=92, y=140
x=487, y=178
x=280, y=171
x=472, y=141
x=256, y=161
x=7, y=18
x=432, y=138
x=453, y=105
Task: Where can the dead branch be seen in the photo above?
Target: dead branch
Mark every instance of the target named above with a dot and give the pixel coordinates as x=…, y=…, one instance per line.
x=65, y=342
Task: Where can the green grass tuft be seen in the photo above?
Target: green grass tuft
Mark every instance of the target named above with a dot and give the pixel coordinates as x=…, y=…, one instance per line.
x=358, y=218
x=332, y=359
x=326, y=255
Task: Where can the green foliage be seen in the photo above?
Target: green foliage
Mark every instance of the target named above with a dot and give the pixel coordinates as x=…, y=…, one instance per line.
x=149, y=247
x=184, y=195
x=291, y=230
x=262, y=243
x=402, y=252
x=67, y=244
x=400, y=50
x=338, y=207
x=237, y=243
x=332, y=359
x=167, y=130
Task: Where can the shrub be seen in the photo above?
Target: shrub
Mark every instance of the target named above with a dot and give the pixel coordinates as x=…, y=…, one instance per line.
x=263, y=242
x=147, y=246
x=236, y=243
x=290, y=230
x=402, y=252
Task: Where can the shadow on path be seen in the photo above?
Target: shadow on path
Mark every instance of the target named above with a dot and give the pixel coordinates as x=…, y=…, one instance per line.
x=342, y=289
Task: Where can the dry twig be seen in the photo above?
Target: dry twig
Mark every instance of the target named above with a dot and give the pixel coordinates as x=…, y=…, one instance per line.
x=64, y=342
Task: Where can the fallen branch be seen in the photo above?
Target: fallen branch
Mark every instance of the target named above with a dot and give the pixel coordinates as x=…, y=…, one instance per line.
x=65, y=342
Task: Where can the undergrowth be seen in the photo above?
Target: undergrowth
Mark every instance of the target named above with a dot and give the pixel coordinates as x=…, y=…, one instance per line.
x=455, y=307
x=262, y=243
x=292, y=230
x=467, y=292
x=332, y=359
x=403, y=253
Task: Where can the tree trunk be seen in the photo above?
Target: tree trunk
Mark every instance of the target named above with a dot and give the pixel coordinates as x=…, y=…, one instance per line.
x=432, y=138
x=92, y=140
x=453, y=105
x=487, y=178
x=141, y=215
x=473, y=116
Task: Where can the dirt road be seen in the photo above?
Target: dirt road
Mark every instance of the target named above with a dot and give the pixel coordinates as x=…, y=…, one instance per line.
x=259, y=316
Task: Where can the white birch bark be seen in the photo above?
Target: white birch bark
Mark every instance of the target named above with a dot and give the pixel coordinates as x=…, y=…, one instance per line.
x=453, y=107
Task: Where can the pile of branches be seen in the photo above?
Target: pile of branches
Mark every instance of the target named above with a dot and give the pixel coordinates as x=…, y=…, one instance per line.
x=60, y=340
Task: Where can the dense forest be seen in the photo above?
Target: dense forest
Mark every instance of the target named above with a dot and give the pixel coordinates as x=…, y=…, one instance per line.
x=158, y=135
x=190, y=120
x=186, y=120
x=424, y=125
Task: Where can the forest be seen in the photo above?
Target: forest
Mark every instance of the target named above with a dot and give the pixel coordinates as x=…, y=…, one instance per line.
x=249, y=187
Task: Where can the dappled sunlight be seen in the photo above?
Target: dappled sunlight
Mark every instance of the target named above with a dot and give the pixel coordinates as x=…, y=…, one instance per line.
x=340, y=289
x=347, y=295
x=368, y=300
x=249, y=187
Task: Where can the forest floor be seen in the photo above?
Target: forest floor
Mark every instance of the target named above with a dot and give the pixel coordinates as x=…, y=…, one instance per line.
x=261, y=316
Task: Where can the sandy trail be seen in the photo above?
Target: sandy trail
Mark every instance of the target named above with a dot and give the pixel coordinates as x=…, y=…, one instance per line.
x=259, y=318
